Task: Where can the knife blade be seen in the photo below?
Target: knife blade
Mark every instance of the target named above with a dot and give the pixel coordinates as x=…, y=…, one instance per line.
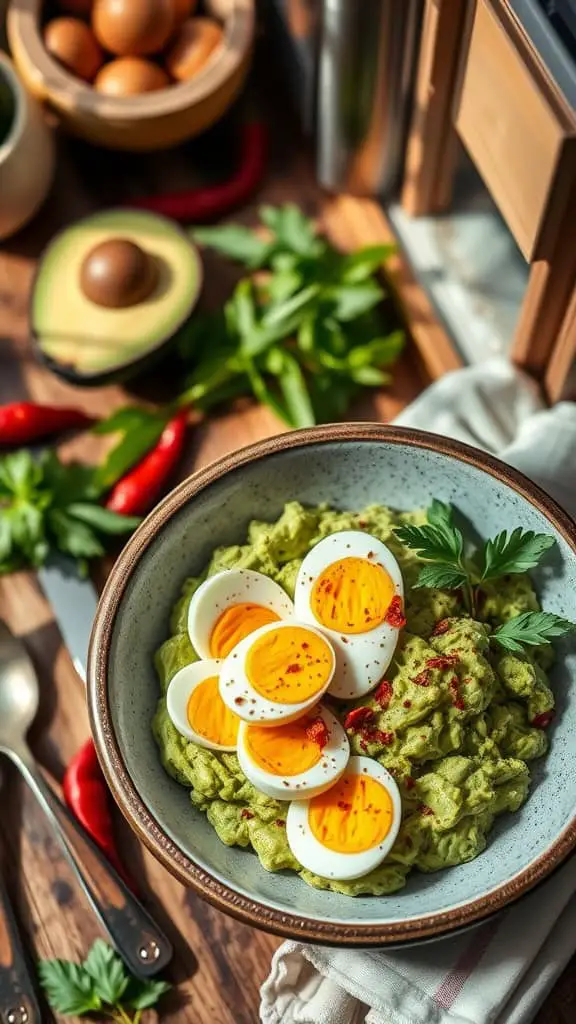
x=74, y=601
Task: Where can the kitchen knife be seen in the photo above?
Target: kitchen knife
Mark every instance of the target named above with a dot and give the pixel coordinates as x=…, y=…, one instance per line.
x=74, y=601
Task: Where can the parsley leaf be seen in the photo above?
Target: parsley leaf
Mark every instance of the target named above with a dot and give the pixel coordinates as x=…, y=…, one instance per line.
x=530, y=629
x=235, y=241
x=69, y=988
x=140, y=995
x=107, y=972
x=516, y=552
x=437, y=541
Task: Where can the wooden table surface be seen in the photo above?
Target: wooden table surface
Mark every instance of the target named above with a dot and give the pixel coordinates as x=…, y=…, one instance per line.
x=219, y=963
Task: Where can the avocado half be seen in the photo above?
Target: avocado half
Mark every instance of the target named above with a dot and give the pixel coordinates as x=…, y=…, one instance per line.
x=81, y=328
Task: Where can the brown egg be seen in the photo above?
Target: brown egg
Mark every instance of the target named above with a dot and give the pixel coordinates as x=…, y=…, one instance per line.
x=192, y=48
x=117, y=273
x=183, y=9
x=132, y=28
x=71, y=42
x=81, y=8
x=129, y=76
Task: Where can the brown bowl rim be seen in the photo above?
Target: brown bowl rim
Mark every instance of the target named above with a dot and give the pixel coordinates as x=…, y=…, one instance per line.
x=63, y=89
x=248, y=910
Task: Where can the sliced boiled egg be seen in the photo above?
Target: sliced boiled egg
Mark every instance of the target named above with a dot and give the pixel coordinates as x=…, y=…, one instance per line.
x=229, y=606
x=296, y=760
x=347, y=831
x=277, y=673
x=346, y=586
x=197, y=709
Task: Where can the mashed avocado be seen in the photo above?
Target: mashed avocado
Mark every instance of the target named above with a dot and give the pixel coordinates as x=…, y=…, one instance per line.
x=454, y=732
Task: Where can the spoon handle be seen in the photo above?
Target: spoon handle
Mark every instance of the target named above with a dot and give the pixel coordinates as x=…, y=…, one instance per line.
x=131, y=930
x=18, y=1002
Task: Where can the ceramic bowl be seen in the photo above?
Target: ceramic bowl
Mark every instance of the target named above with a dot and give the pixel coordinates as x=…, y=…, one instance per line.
x=154, y=120
x=348, y=466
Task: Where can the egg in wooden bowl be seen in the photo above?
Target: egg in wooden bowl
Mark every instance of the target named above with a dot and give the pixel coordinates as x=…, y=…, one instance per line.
x=133, y=74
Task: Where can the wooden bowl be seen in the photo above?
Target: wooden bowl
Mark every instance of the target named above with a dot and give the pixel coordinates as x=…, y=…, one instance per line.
x=154, y=120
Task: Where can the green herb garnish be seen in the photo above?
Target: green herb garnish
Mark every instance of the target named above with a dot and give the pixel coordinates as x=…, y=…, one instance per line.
x=304, y=335
x=100, y=984
x=47, y=506
x=450, y=565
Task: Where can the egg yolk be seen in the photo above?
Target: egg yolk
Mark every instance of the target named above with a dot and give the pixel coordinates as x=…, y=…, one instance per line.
x=282, y=750
x=352, y=595
x=235, y=623
x=208, y=715
x=353, y=816
x=289, y=665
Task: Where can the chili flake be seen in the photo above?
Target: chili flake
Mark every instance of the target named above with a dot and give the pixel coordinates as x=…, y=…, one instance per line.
x=441, y=627
x=424, y=809
x=395, y=615
x=377, y=736
x=383, y=694
x=407, y=704
x=344, y=806
x=457, y=701
x=291, y=669
x=317, y=731
x=409, y=782
x=543, y=720
x=423, y=679
x=443, y=661
x=246, y=814
x=280, y=822
x=358, y=717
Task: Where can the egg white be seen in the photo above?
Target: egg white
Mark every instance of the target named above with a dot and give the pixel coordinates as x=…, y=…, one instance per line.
x=232, y=586
x=361, y=658
x=329, y=863
x=181, y=686
x=315, y=780
x=249, y=705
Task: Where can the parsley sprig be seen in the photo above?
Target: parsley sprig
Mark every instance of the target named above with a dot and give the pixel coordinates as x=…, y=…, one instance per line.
x=100, y=984
x=304, y=332
x=46, y=505
x=450, y=564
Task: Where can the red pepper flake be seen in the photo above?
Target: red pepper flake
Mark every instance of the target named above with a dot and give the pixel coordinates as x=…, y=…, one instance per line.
x=317, y=732
x=344, y=806
x=467, y=680
x=443, y=661
x=407, y=704
x=246, y=814
x=305, y=646
x=362, y=524
x=370, y=555
x=423, y=679
x=280, y=822
x=409, y=782
x=441, y=627
x=363, y=746
x=543, y=720
x=292, y=669
x=424, y=809
x=383, y=694
x=454, y=687
x=377, y=736
x=239, y=700
x=358, y=717
x=395, y=615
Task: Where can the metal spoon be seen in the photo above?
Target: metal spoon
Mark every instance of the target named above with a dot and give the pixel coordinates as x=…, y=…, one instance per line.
x=18, y=1002
x=128, y=925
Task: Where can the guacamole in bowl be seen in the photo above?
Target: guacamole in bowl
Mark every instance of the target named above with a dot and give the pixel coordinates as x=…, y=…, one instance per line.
x=456, y=724
x=348, y=468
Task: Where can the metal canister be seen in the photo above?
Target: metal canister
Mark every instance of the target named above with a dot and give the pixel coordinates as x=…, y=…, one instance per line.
x=366, y=60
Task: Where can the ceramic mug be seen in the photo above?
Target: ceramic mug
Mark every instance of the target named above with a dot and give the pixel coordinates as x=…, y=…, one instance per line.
x=27, y=156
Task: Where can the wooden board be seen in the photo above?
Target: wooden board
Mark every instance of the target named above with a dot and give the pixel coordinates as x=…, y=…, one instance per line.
x=219, y=963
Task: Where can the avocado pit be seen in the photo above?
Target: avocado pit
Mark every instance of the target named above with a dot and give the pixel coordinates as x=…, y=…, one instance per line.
x=118, y=273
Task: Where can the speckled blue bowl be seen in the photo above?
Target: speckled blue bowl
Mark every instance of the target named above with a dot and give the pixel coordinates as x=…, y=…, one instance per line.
x=348, y=466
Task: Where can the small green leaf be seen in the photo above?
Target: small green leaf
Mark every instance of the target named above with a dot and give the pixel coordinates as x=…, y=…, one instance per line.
x=244, y=307
x=73, y=537
x=530, y=629
x=141, y=995
x=68, y=987
x=369, y=376
x=360, y=265
x=516, y=552
x=263, y=393
x=129, y=417
x=353, y=299
x=293, y=230
x=283, y=312
x=442, y=576
x=378, y=352
x=143, y=435
x=295, y=393
x=107, y=972
x=103, y=519
x=235, y=241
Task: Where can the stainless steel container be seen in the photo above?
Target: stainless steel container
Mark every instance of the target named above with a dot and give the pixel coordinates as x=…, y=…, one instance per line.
x=366, y=55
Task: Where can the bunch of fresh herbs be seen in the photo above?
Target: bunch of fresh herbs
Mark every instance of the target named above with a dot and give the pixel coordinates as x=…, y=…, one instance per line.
x=46, y=505
x=100, y=984
x=452, y=564
x=302, y=332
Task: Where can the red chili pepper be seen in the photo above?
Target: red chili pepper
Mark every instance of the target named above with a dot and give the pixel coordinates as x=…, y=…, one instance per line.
x=136, y=492
x=317, y=732
x=383, y=694
x=395, y=615
x=542, y=721
x=208, y=203
x=21, y=422
x=358, y=717
x=87, y=796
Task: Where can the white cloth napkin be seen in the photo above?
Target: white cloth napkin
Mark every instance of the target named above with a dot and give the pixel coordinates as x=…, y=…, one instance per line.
x=499, y=972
